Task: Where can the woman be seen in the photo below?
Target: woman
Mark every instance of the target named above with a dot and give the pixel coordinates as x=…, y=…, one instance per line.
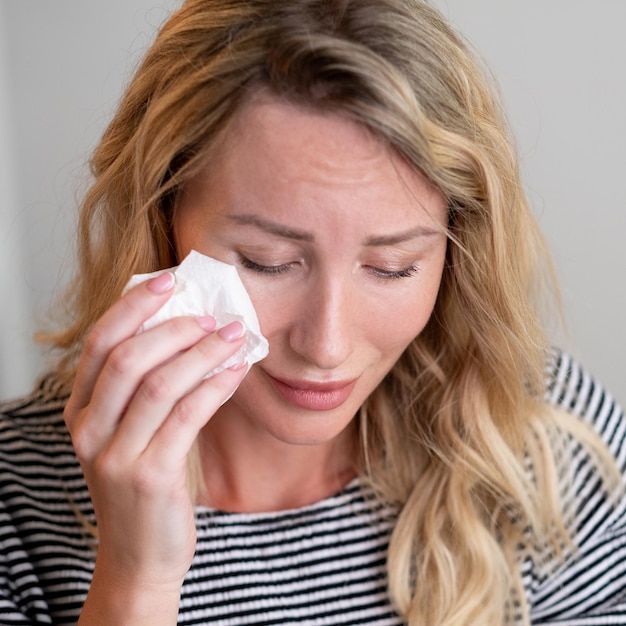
x=398, y=457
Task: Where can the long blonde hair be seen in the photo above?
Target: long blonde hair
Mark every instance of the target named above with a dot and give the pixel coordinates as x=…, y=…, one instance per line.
x=446, y=434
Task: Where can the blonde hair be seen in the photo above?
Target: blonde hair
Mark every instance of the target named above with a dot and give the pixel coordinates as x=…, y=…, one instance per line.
x=446, y=434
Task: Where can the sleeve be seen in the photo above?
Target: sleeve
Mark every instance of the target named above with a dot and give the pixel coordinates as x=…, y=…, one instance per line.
x=589, y=587
x=21, y=599
x=46, y=554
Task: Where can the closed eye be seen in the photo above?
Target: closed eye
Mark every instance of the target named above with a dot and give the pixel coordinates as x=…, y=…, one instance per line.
x=265, y=269
x=393, y=274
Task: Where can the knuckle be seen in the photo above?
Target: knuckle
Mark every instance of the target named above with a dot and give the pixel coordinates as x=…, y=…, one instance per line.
x=144, y=480
x=184, y=412
x=97, y=342
x=207, y=348
x=115, y=478
x=216, y=350
x=69, y=413
x=83, y=444
x=119, y=472
x=122, y=360
x=155, y=387
x=133, y=305
x=180, y=324
x=107, y=467
x=183, y=331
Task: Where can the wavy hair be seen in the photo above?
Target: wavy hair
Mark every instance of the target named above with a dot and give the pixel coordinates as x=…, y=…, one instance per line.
x=445, y=436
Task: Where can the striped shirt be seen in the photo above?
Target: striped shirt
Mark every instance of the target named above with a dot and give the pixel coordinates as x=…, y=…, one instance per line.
x=321, y=564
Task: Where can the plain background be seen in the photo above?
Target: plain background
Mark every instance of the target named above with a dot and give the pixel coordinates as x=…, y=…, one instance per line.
x=561, y=66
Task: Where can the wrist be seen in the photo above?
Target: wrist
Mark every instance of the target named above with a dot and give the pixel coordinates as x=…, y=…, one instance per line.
x=123, y=600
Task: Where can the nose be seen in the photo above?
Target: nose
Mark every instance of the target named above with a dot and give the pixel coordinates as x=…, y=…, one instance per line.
x=324, y=331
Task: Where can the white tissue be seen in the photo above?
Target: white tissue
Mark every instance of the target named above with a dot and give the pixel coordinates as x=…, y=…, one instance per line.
x=205, y=286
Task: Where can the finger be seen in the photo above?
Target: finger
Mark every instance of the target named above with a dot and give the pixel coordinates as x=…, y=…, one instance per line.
x=120, y=322
x=162, y=389
x=123, y=372
x=172, y=442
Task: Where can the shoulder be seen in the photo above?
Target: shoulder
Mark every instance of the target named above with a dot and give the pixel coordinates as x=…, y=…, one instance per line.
x=46, y=556
x=573, y=389
x=589, y=585
x=592, y=447
x=36, y=452
x=41, y=411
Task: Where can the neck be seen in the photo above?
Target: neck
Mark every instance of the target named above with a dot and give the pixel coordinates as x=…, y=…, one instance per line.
x=257, y=473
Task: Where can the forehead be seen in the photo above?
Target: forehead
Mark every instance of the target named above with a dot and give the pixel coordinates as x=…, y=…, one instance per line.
x=269, y=119
x=277, y=154
x=265, y=122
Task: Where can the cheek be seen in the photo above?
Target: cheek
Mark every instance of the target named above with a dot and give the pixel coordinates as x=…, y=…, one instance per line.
x=400, y=328
x=272, y=309
x=405, y=318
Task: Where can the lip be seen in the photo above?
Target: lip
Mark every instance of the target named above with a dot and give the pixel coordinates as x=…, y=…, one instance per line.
x=314, y=396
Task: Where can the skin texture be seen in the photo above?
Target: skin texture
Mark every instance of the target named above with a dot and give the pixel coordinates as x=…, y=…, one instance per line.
x=133, y=418
x=341, y=247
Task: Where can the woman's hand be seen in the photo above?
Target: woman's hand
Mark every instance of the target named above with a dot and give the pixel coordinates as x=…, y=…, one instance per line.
x=138, y=403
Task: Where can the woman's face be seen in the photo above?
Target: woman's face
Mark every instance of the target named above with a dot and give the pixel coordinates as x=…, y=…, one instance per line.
x=341, y=248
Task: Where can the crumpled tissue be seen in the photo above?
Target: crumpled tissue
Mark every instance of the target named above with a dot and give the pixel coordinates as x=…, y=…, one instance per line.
x=205, y=286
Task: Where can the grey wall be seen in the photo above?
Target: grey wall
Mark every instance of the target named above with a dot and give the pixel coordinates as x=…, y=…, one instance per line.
x=63, y=65
x=561, y=66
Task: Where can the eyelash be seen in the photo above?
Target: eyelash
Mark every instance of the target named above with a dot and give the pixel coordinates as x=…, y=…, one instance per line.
x=265, y=269
x=407, y=272
x=285, y=267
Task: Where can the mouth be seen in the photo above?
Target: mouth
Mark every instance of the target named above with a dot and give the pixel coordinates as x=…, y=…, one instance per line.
x=314, y=396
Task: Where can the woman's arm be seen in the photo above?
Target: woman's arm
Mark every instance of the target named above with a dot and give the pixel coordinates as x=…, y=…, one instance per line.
x=137, y=406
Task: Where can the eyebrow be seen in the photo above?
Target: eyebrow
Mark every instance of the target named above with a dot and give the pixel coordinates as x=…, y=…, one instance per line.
x=281, y=230
x=273, y=228
x=407, y=235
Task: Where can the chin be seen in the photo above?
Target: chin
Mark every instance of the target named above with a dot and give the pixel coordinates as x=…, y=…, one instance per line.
x=309, y=434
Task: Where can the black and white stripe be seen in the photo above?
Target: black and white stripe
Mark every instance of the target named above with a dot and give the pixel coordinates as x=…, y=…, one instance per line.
x=590, y=586
x=322, y=564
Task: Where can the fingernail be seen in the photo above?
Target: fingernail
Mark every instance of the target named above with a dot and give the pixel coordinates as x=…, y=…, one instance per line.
x=232, y=331
x=238, y=366
x=206, y=322
x=161, y=283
